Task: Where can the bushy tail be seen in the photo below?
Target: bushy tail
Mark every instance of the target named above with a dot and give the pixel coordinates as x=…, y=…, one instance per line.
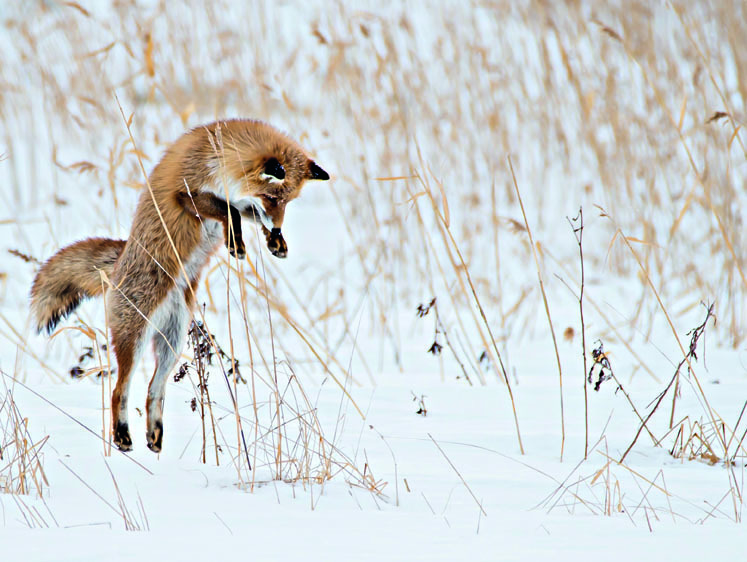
x=69, y=276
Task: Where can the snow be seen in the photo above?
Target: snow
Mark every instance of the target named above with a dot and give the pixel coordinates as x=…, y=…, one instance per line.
x=196, y=510
x=439, y=98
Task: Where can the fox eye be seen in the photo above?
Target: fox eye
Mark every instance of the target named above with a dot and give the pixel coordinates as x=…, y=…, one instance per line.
x=274, y=169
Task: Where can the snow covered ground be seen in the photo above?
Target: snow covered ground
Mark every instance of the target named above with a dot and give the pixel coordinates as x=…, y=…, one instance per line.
x=414, y=111
x=436, y=468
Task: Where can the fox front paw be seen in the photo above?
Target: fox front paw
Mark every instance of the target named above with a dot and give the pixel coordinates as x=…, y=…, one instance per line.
x=276, y=244
x=236, y=247
x=238, y=251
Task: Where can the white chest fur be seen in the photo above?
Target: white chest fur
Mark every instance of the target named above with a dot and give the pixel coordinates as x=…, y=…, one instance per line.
x=211, y=234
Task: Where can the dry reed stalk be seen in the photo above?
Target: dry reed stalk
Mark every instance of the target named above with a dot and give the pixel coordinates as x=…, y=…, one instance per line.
x=239, y=435
x=432, y=252
x=686, y=355
x=131, y=522
x=547, y=311
x=450, y=244
x=108, y=434
x=21, y=460
x=474, y=497
x=580, y=82
x=711, y=76
x=168, y=86
x=697, y=332
x=18, y=340
x=67, y=415
x=310, y=342
x=611, y=325
x=276, y=391
x=282, y=458
x=675, y=124
x=578, y=233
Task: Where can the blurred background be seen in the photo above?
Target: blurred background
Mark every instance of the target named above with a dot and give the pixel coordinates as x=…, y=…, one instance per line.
x=632, y=110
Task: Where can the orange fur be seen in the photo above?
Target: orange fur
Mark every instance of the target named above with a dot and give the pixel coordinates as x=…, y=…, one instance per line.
x=207, y=180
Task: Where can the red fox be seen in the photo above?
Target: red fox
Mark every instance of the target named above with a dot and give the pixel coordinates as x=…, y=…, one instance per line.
x=207, y=180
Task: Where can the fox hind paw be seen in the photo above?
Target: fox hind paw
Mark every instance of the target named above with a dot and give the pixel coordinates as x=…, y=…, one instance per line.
x=155, y=438
x=122, y=438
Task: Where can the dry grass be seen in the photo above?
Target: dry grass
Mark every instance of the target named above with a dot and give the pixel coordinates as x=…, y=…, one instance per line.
x=635, y=108
x=367, y=89
x=21, y=458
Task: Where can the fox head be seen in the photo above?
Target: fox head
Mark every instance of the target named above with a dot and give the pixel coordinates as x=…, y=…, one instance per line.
x=258, y=169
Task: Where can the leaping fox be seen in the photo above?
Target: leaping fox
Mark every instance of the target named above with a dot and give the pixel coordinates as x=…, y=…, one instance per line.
x=207, y=180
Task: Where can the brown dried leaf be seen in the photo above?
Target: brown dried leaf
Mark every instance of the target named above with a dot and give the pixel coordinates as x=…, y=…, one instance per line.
x=716, y=116
x=288, y=102
x=105, y=49
x=139, y=153
x=321, y=38
x=515, y=226
x=150, y=67
x=394, y=178
x=137, y=185
x=682, y=114
x=25, y=257
x=734, y=135
x=612, y=33
x=639, y=241
x=78, y=7
x=90, y=101
x=82, y=167
x=188, y=110
x=568, y=333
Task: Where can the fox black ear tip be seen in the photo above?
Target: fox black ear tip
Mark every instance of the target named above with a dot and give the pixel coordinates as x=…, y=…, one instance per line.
x=317, y=173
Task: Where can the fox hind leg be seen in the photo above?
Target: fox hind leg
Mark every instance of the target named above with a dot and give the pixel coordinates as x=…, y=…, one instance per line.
x=128, y=341
x=170, y=324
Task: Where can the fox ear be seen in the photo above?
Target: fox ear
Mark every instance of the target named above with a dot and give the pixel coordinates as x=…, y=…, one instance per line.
x=316, y=172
